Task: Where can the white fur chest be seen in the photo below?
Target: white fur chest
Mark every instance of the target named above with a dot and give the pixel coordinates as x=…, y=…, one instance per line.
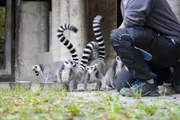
x=93, y=77
x=65, y=75
x=118, y=69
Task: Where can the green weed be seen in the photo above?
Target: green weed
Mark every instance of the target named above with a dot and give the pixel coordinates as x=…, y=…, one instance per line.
x=54, y=104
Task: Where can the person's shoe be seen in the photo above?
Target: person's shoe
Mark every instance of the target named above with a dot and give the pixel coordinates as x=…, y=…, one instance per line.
x=138, y=88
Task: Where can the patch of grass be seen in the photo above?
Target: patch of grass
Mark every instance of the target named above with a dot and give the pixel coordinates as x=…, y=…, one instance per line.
x=150, y=109
x=105, y=105
x=137, y=93
x=74, y=108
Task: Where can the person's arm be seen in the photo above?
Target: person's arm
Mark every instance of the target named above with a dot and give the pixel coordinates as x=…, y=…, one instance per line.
x=136, y=11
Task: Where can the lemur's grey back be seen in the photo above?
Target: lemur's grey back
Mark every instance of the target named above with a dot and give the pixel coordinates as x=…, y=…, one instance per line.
x=50, y=70
x=111, y=74
x=95, y=53
x=101, y=66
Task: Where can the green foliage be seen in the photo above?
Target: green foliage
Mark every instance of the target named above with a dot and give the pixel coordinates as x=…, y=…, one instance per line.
x=74, y=108
x=59, y=105
x=148, y=108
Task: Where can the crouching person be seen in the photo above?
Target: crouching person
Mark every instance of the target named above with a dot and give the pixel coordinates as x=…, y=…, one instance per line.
x=148, y=43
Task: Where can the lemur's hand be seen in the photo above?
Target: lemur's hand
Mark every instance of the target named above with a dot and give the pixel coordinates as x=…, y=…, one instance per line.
x=126, y=69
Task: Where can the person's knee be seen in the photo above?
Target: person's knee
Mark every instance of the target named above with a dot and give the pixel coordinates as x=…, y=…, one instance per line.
x=116, y=36
x=116, y=33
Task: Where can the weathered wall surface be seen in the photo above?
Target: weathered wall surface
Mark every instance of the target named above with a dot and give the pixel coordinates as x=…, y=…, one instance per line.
x=33, y=38
x=34, y=28
x=175, y=5
x=108, y=10
x=73, y=12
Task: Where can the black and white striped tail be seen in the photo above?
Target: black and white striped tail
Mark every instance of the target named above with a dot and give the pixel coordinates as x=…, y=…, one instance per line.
x=95, y=52
x=86, y=54
x=66, y=42
x=99, y=38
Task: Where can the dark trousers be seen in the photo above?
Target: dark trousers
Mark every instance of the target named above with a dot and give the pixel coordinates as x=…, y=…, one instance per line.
x=164, y=52
x=125, y=78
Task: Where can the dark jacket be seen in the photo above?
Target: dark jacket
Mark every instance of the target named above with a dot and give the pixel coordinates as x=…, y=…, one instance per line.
x=155, y=14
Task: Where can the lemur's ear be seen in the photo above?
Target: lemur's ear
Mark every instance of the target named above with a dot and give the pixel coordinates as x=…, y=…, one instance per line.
x=65, y=62
x=33, y=68
x=41, y=67
x=66, y=59
x=74, y=64
x=118, y=58
x=96, y=65
x=87, y=67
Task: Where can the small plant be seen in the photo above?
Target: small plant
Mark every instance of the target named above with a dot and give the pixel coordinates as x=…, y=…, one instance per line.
x=115, y=107
x=137, y=93
x=74, y=109
x=148, y=109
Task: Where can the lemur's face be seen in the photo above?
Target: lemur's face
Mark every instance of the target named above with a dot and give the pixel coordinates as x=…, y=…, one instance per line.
x=91, y=69
x=36, y=69
x=119, y=62
x=69, y=63
x=118, y=59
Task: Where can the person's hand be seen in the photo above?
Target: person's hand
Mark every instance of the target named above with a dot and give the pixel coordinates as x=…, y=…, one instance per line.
x=122, y=25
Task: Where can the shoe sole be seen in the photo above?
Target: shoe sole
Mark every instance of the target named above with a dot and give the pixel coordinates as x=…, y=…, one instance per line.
x=152, y=94
x=149, y=94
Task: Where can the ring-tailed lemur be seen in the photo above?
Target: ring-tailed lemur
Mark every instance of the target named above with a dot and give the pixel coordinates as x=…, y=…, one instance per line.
x=111, y=74
x=96, y=70
x=61, y=69
x=51, y=71
x=81, y=69
x=94, y=76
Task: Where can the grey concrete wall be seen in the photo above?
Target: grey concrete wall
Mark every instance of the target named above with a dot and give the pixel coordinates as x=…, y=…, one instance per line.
x=34, y=28
x=33, y=39
x=73, y=12
x=175, y=5
x=108, y=10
